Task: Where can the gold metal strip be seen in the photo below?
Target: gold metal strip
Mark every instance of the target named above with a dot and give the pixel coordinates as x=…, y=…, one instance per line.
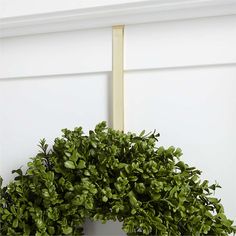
x=118, y=77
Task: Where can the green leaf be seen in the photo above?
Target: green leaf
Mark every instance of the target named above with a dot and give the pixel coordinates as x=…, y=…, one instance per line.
x=94, y=144
x=45, y=193
x=132, y=199
x=104, y=199
x=15, y=223
x=39, y=223
x=133, y=211
x=178, y=152
x=69, y=164
x=4, y=217
x=81, y=164
x=51, y=230
x=13, y=210
x=88, y=204
x=142, y=133
x=26, y=230
x=115, y=175
x=140, y=187
x=181, y=165
x=18, y=171
x=74, y=157
x=7, y=212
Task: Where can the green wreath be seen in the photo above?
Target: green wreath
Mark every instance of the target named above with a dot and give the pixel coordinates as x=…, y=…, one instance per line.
x=110, y=175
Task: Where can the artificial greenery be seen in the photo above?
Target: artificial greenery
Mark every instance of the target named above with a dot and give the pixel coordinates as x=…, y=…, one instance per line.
x=110, y=175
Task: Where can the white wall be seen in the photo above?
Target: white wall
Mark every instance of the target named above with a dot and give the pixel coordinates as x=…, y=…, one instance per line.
x=180, y=79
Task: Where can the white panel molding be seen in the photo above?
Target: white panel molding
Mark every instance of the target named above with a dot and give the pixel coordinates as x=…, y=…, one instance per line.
x=185, y=67
x=116, y=14
x=40, y=107
x=183, y=102
x=13, y=8
x=73, y=52
x=47, y=76
x=185, y=43
x=127, y=71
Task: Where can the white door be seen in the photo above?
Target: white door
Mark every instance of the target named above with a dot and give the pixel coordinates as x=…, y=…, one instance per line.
x=180, y=78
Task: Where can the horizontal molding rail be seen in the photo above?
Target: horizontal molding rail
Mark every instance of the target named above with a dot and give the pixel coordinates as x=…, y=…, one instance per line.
x=183, y=67
x=135, y=70
x=55, y=75
x=119, y=14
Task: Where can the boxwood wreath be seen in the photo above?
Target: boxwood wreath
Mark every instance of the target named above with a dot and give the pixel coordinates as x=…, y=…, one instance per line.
x=110, y=175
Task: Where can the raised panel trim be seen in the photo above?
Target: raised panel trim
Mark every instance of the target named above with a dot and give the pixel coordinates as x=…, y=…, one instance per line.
x=119, y=14
x=126, y=71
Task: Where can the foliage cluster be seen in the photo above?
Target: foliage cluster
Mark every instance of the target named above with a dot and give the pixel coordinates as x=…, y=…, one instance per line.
x=110, y=175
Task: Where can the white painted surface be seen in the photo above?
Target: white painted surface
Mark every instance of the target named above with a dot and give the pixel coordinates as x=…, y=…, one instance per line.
x=180, y=79
x=13, y=8
x=37, y=108
x=194, y=109
x=100, y=14
x=111, y=228
x=202, y=41
x=57, y=53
